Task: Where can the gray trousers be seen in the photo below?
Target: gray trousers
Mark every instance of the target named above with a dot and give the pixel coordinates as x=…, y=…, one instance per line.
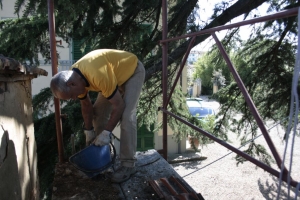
x=130, y=92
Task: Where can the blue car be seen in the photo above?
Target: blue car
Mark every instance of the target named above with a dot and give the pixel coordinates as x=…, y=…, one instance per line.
x=198, y=110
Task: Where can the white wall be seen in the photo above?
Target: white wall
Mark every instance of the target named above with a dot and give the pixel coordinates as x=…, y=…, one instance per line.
x=8, y=9
x=18, y=158
x=173, y=147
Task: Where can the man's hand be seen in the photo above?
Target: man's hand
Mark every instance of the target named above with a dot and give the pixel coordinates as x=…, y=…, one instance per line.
x=89, y=136
x=103, y=138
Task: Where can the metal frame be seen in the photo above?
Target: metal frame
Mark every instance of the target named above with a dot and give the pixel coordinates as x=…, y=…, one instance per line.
x=166, y=98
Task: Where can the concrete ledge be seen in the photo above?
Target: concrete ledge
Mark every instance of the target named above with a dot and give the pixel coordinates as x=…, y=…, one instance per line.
x=70, y=183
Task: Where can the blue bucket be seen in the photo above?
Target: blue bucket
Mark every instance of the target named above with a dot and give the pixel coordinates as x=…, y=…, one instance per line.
x=92, y=160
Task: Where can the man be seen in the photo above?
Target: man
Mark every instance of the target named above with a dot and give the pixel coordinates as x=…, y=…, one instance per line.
x=118, y=76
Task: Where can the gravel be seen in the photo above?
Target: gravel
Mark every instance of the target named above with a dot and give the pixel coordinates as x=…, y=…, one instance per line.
x=219, y=178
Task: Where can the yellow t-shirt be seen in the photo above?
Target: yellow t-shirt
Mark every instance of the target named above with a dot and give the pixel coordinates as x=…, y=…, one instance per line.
x=105, y=69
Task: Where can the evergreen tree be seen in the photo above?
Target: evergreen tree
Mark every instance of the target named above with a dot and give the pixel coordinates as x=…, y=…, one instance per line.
x=135, y=26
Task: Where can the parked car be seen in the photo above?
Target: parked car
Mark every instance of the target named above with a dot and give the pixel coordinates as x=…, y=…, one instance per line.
x=194, y=99
x=198, y=110
x=211, y=103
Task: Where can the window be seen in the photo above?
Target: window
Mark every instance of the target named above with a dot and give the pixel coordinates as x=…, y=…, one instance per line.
x=77, y=52
x=145, y=138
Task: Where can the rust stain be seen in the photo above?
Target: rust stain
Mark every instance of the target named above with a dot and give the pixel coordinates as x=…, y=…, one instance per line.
x=173, y=188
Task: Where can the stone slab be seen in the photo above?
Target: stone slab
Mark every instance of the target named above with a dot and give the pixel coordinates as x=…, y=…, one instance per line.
x=70, y=183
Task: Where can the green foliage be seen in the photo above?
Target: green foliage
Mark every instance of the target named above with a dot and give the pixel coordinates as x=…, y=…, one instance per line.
x=266, y=71
x=209, y=63
x=265, y=63
x=218, y=78
x=46, y=138
x=148, y=114
x=209, y=125
x=254, y=150
x=42, y=104
x=45, y=135
x=18, y=40
x=178, y=107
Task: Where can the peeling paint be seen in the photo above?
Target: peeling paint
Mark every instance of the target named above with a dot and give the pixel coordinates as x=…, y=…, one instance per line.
x=27, y=89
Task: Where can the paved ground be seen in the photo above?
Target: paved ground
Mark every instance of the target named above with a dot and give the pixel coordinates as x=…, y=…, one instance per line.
x=218, y=176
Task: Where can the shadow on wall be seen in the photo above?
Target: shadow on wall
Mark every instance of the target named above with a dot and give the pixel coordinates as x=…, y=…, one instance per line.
x=10, y=181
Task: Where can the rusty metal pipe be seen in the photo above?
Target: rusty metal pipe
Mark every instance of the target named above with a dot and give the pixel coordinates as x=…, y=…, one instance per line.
x=51, y=19
x=283, y=14
x=165, y=77
x=167, y=184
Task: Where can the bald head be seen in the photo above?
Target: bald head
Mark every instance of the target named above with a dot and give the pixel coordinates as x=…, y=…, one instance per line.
x=58, y=84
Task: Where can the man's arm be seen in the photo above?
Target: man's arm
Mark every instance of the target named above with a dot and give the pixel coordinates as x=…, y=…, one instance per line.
x=87, y=112
x=118, y=106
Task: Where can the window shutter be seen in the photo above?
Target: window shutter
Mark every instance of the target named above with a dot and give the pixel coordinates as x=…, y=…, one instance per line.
x=77, y=49
x=145, y=138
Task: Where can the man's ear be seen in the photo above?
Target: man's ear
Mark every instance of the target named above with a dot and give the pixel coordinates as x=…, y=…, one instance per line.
x=70, y=83
x=73, y=80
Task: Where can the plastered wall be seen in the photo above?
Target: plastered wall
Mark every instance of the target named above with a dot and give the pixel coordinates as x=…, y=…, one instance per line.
x=18, y=157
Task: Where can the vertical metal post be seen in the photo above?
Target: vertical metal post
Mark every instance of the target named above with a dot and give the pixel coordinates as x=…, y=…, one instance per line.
x=165, y=77
x=51, y=19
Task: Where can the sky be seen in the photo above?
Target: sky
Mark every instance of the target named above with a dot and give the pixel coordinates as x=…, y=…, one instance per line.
x=206, y=11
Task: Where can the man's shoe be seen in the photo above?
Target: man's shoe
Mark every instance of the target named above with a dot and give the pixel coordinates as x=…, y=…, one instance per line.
x=122, y=174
